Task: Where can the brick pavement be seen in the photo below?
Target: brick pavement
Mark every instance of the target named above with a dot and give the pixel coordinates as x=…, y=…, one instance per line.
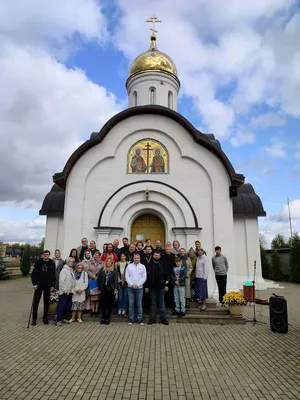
x=90, y=361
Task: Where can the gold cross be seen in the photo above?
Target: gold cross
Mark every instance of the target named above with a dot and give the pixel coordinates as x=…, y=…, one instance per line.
x=153, y=19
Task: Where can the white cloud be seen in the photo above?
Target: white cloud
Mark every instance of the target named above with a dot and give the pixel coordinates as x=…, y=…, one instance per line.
x=267, y=120
x=279, y=222
x=38, y=22
x=241, y=138
x=251, y=53
x=46, y=109
x=23, y=231
x=283, y=214
x=270, y=229
x=276, y=149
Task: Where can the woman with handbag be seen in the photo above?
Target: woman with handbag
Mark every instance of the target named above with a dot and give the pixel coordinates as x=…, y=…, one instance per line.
x=87, y=259
x=108, y=286
x=93, y=271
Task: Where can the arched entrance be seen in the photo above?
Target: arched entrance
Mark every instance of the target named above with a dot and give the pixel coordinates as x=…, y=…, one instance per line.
x=148, y=226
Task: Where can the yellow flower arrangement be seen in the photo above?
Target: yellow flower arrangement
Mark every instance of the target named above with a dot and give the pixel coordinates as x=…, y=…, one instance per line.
x=234, y=298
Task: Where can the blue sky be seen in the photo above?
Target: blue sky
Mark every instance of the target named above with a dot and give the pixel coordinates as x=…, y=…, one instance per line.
x=64, y=76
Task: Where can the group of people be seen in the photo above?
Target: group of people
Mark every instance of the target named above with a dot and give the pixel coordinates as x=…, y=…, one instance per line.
x=136, y=274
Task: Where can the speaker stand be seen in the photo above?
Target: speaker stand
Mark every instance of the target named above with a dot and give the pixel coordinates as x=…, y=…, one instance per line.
x=254, y=320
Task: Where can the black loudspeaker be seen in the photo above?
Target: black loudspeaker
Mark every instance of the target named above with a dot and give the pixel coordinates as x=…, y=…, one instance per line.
x=278, y=314
x=232, y=191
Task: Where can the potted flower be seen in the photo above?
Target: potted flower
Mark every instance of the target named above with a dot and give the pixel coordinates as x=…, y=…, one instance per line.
x=236, y=303
x=53, y=302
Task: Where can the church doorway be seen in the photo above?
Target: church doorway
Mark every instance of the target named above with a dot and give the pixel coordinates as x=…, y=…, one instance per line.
x=148, y=226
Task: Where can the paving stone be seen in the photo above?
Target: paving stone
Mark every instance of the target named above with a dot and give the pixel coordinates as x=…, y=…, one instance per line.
x=86, y=362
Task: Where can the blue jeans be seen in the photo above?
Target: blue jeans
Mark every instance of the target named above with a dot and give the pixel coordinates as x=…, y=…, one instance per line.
x=63, y=307
x=179, y=296
x=135, y=296
x=158, y=295
x=122, y=298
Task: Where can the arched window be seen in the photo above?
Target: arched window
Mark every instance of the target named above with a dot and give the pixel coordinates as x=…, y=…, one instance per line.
x=170, y=100
x=134, y=95
x=152, y=95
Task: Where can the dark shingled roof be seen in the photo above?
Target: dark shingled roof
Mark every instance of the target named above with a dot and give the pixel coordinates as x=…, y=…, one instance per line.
x=54, y=202
x=206, y=140
x=247, y=202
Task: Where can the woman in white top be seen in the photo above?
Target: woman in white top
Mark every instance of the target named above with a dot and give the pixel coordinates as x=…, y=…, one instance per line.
x=78, y=298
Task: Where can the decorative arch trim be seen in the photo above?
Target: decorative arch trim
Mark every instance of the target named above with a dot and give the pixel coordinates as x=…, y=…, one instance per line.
x=148, y=181
x=61, y=178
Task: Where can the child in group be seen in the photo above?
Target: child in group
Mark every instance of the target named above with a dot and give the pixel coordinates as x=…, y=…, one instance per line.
x=179, y=277
x=78, y=298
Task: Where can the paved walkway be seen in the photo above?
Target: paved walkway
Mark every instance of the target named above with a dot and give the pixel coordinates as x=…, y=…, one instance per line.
x=179, y=361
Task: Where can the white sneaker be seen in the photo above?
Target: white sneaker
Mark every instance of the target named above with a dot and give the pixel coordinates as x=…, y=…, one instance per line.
x=71, y=320
x=130, y=323
x=203, y=308
x=142, y=324
x=79, y=320
x=58, y=323
x=65, y=321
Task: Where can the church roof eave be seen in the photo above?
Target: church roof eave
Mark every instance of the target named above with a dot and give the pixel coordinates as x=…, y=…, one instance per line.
x=61, y=178
x=247, y=204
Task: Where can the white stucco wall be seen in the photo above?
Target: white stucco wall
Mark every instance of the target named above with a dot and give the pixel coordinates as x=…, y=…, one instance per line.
x=194, y=171
x=162, y=83
x=247, y=251
x=54, y=236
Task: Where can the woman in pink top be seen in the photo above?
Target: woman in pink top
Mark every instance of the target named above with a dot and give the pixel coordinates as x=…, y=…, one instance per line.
x=93, y=270
x=202, y=269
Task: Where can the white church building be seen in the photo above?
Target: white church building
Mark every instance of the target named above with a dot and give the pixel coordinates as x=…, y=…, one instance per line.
x=150, y=173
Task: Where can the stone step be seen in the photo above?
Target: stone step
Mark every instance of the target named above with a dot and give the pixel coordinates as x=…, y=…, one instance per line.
x=208, y=319
x=200, y=318
x=210, y=303
x=190, y=319
x=210, y=311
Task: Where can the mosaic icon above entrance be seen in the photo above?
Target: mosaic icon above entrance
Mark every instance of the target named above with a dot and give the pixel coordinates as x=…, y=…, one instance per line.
x=148, y=156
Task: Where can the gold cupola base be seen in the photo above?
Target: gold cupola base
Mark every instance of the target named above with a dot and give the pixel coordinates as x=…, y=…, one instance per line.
x=153, y=60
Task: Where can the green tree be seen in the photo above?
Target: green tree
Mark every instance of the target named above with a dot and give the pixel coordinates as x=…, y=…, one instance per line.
x=295, y=258
x=25, y=264
x=279, y=242
x=265, y=263
x=4, y=275
x=276, y=268
x=42, y=244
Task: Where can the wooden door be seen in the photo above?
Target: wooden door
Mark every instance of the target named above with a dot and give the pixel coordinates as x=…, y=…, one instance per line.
x=148, y=226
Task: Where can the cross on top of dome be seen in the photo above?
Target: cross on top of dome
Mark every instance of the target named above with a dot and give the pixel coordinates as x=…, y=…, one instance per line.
x=153, y=20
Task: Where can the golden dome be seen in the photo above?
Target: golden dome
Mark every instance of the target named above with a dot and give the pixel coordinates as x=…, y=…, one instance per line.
x=153, y=60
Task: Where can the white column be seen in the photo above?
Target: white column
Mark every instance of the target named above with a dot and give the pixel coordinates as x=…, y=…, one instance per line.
x=107, y=235
x=192, y=234
x=115, y=233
